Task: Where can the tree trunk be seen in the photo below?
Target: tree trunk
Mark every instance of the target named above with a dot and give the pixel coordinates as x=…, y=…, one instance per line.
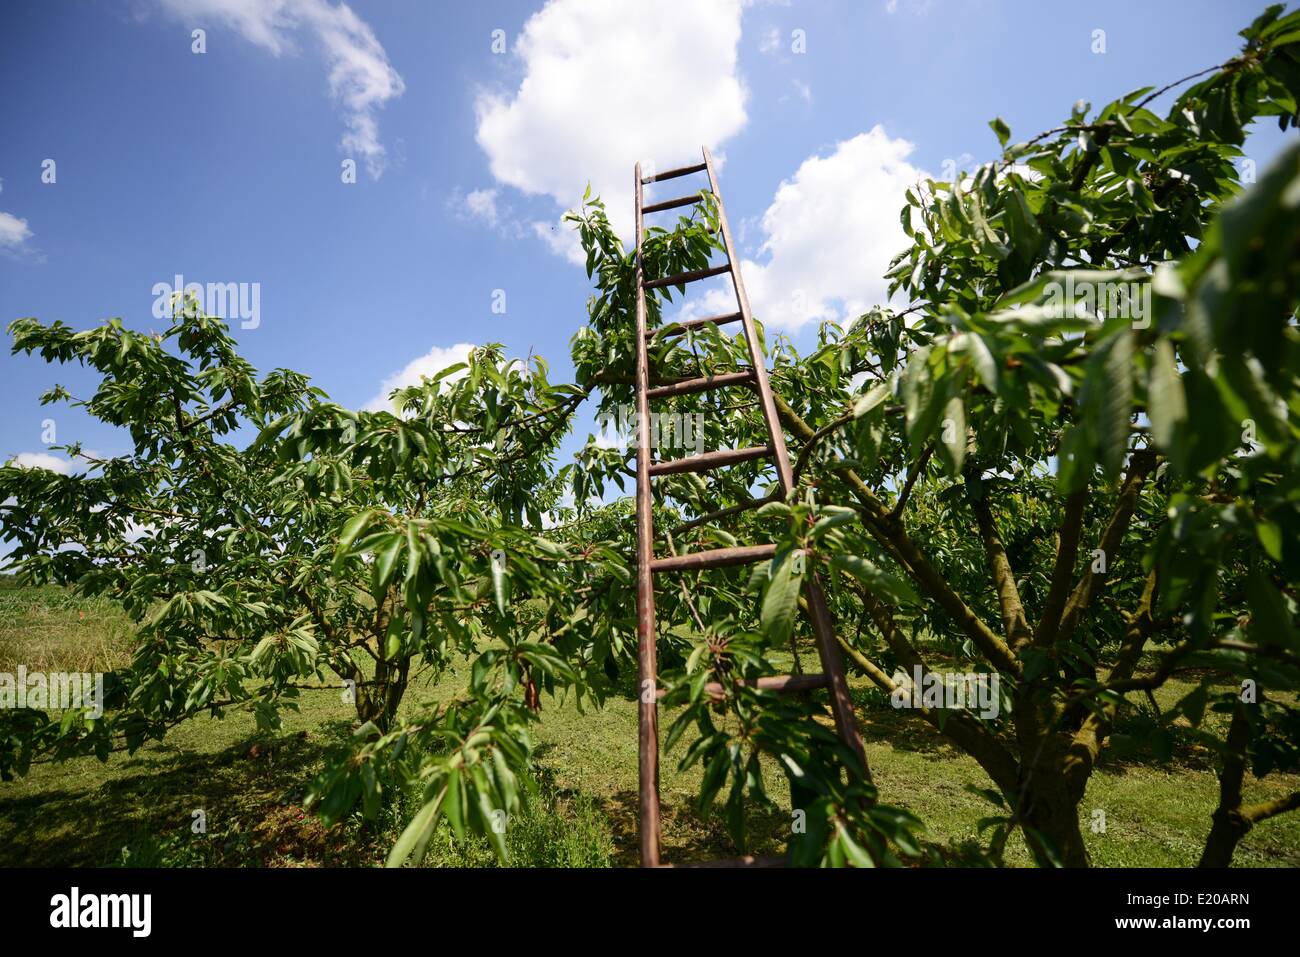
x=1048, y=797
x=1050, y=815
x=1225, y=834
x=379, y=699
x=1229, y=826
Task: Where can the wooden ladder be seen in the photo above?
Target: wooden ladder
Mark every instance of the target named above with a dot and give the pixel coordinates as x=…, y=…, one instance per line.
x=832, y=676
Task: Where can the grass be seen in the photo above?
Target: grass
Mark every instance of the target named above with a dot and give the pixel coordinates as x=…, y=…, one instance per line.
x=48, y=628
x=140, y=810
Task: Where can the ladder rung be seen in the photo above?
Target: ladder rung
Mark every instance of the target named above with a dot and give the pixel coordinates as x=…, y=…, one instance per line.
x=674, y=173
x=671, y=203
x=677, y=328
x=691, y=386
x=714, y=558
x=710, y=460
x=787, y=683
x=684, y=277
x=790, y=683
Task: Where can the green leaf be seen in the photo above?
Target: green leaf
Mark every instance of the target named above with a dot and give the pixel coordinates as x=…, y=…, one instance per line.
x=714, y=777
x=923, y=400
x=986, y=367
x=869, y=400
x=385, y=562
x=1107, y=399
x=875, y=577
x=854, y=852
x=1270, y=621
x=1075, y=461
x=1245, y=390
x=496, y=838
x=414, y=840
x=1026, y=235
x=1166, y=401
x=952, y=436
x=782, y=596
x=506, y=779
x=499, y=584
x=1270, y=537
x=393, y=638
x=455, y=804
x=1193, y=705
x=355, y=525
x=832, y=517
x=696, y=654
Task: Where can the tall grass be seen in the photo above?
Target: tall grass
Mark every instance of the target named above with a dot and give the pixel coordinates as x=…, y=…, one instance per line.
x=48, y=628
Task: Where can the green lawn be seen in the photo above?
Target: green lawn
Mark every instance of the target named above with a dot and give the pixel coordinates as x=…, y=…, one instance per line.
x=139, y=809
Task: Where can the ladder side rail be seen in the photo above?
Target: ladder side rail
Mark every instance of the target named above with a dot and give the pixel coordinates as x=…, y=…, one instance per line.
x=647, y=667
x=757, y=360
x=828, y=649
x=823, y=627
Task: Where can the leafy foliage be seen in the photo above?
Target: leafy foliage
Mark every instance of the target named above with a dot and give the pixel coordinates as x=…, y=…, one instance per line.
x=1068, y=464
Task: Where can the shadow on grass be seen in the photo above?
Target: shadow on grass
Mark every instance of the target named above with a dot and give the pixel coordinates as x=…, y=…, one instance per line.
x=247, y=798
x=900, y=728
x=689, y=838
x=250, y=795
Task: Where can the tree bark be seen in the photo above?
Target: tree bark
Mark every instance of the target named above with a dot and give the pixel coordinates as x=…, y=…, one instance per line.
x=379, y=699
x=1229, y=825
x=1050, y=812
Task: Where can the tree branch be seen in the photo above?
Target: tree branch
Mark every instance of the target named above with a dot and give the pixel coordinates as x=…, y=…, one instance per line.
x=917, y=468
x=892, y=536
x=963, y=729
x=1141, y=464
x=1067, y=553
x=813, y=440
x=1087, y=743
x=1014, y=623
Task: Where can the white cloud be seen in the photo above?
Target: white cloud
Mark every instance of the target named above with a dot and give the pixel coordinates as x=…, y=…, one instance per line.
x=428, y=364
x=13, y=232
x=802, y=90
x=917, y=7
x=608, y=84
x=828, y=236
x=561, y=239
x=42, y=460
x=481, y=204
x=770, y=42
x=361, y=79
x=486, y=207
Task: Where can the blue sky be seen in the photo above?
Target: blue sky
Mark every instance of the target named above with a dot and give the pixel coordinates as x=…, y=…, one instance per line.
x=226, y=165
